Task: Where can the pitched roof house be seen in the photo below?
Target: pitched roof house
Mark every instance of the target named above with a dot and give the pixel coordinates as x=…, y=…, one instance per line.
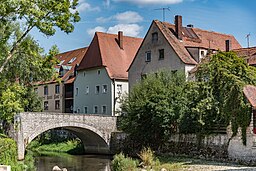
x=102, y=75
x=58, y=97
x=248, y=53
x=174, y=47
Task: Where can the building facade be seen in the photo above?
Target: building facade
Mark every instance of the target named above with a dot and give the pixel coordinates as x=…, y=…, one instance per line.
x=102, y=76
x=174, y=47
x=57, y=95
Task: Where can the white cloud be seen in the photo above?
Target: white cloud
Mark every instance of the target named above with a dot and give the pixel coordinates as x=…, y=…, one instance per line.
x=127, y=17
x=106, y=3
x=92, y=31
x=128, y=29
x=148, y=2
x=132, y=30
x=84, y=6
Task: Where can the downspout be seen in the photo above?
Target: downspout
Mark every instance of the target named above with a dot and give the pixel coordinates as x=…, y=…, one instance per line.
x=114, y=110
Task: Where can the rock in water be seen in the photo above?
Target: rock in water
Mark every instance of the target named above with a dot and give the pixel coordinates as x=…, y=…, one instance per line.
x=56, y=168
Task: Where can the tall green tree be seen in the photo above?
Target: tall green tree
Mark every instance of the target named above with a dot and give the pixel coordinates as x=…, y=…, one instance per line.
x=151, y=110
x=45, y=15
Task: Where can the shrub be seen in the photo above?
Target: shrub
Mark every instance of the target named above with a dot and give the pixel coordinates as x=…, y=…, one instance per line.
x=147, y=157
x=122, y=163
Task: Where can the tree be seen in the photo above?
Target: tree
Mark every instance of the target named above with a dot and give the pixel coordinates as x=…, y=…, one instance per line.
x=43, y=15
x=226, y=74
x=151, y=111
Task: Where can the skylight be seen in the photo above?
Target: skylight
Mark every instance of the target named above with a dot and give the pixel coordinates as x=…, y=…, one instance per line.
x=72, y=60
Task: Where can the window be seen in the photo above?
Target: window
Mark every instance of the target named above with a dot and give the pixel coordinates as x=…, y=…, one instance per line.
x=104, y=109
x=72, y=60
x=78, y=110
x=45, y=90
x=57, y=89
x=161, y=54
x=98, y=72
x=76, y=91
x=57, y=104
x=148, y=56
x=95, y=109
x=46, y=105
x=87, y=90
x=119, y=88
x=84, y=74
x=86, y=109
x=104, y=89
x=154, y=37
x=97, y=89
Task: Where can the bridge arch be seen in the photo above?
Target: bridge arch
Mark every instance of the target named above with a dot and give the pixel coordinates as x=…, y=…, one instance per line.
x=94, y=130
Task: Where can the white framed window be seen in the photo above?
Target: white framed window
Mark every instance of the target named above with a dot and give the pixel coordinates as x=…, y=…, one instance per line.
x=76, y=91
x=87, y=89
x=104, y=109
x=85, y=109
x=95, y=110
x=148, y=56
x=97, y=89
x=119, y=88
x=104, y=88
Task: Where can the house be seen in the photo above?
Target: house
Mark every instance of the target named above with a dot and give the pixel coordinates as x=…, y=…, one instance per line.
x=249, y=54
x=102, y=76
x=174, y=47
x=57, y=96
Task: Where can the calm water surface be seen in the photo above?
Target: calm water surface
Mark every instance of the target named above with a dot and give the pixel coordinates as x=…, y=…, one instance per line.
x=74, y=163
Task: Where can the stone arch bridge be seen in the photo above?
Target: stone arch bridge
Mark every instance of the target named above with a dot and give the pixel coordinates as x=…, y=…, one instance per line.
x=94, y=130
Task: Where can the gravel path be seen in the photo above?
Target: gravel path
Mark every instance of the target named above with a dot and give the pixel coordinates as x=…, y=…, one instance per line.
x=218, y=167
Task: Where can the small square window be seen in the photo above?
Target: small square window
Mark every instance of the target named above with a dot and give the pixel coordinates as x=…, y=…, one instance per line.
x=104, y=109
x=87, y=90
x=98, y=72
x=45, y=90
x=78, y=110
x=119, y=88
x=46, y=105
x=95, y=110
x=161, y=54
x=97, y=89
x=154, y=37
x=57, y=89
x=148, y=56
x=86, y=110
x=104, y=89
x=57, y=104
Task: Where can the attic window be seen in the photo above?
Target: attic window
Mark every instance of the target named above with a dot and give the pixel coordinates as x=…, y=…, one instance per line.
x=72, y=60
x=61, y=62
x=154, y=37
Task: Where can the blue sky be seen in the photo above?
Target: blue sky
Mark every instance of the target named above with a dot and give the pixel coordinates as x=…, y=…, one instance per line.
x=133, y=17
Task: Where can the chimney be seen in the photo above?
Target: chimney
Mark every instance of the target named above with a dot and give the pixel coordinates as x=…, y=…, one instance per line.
x=190, y=26
x=178, y=26
x=228, y=45
x=121, y=39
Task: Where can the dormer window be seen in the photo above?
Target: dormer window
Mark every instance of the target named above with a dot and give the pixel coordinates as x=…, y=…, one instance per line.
x=154, y=37
x=72, y=60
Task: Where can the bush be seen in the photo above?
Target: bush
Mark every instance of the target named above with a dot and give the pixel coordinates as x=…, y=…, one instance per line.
x=147, y=157
x=122, y=163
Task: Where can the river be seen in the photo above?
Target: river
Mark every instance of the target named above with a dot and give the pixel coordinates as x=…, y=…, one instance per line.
x=74, y=163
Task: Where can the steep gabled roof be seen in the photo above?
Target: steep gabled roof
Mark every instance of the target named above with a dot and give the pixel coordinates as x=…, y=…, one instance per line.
x=249, y=53
x=195, y=37
x=104, y=51
x=177, y=45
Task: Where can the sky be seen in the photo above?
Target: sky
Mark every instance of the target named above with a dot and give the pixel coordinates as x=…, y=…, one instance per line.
x=133, y=17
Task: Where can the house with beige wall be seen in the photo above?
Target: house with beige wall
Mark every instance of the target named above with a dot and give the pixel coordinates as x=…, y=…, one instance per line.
x=57, y=95
x=175, y=47
x=102, y=76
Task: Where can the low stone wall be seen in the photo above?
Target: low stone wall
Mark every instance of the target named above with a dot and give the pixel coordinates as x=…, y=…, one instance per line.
x=210, y=146
x=5, y=168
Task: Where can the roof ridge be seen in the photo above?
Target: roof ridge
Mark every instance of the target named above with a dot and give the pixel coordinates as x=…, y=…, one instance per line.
x=73, y=50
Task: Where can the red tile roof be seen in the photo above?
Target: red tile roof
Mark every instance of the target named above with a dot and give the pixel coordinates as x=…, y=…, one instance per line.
x=104, y=51
x=249, y=53
x=195, y=37
x=68, y=60
x=250, y=93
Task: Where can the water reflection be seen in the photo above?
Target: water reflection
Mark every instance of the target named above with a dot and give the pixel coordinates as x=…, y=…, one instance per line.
x=74, y=163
